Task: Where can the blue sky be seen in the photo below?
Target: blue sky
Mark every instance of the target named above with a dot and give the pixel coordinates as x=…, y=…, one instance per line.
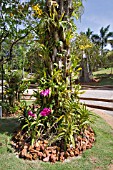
x=97, y=14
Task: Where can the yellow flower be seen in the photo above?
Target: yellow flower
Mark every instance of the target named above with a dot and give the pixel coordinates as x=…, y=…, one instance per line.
x=83, y=47
x=40, y=13
x=37, y=9
x=11, y=15
x=88, y=46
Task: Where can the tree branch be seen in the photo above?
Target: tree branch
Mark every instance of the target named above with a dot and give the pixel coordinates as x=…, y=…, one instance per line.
x=11, y=48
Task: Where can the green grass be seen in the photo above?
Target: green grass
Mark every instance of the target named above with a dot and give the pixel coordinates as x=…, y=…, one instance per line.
x=99, y=156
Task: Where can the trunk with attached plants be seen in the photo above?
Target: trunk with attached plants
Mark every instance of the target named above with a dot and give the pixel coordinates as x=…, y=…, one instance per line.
x=59, y=13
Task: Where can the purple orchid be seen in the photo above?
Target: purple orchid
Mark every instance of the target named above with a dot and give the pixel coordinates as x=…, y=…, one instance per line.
x=45, y=92
x=45, y=112
x=30, y=113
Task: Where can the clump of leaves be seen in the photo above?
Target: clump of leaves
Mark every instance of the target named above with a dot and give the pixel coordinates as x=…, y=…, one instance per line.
x=14, y=87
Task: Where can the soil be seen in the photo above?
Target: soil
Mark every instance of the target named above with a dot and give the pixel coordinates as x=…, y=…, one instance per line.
x=110, y=167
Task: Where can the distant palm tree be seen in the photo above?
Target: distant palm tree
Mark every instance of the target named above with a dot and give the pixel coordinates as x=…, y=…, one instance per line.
x=102, y=39
x=89, y=33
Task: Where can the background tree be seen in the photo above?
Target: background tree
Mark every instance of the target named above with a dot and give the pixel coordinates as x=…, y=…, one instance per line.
x=82, y=47
x=102, y=39
x=12, y=15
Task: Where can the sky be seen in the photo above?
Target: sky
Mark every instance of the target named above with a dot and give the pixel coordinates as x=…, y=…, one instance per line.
x=97, y=14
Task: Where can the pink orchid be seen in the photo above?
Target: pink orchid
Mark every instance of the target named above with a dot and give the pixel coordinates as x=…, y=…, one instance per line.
x=45, y=112
x=45, y=92
x=30, y=113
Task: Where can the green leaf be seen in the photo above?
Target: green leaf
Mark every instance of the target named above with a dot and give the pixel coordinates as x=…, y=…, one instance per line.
x=24, y=126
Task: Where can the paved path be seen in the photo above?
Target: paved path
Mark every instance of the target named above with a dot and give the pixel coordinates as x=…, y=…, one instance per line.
x=94, y=94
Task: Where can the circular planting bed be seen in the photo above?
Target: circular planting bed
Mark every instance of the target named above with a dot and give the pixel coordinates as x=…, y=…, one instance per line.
x=51, y=153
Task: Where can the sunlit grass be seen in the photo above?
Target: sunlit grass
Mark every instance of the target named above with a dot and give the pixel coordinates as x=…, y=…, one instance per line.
x=103, y=71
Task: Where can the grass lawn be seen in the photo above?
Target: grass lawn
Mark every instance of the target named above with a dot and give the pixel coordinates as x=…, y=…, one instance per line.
x=99, y=157
x=104, y=71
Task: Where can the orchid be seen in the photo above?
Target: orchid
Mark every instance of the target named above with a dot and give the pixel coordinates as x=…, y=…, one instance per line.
x=30, y=113
x=45, y=112
x=45, y=92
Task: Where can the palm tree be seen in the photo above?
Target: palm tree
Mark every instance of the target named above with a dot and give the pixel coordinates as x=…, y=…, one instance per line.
x=89, y=33
x=102, y=39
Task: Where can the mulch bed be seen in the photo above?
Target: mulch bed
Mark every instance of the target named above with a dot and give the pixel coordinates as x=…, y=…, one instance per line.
x=42, y=151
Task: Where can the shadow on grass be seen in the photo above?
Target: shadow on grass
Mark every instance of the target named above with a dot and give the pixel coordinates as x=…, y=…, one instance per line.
x=106, y=80
x=101, y=80
x=101, y=75
x=8, y=125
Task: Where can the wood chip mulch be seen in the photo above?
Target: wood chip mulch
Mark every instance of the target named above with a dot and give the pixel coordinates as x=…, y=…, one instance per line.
x=42, y=151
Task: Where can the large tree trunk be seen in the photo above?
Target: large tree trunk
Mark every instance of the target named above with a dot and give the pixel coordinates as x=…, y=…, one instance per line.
x=85, y=72
x=60, y=9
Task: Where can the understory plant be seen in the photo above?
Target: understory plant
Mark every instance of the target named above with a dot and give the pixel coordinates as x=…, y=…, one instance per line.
x=14, y=88
x=17, y=109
